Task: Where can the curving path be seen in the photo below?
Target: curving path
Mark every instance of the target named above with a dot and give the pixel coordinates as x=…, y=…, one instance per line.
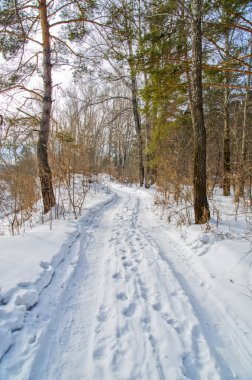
x=131, y=309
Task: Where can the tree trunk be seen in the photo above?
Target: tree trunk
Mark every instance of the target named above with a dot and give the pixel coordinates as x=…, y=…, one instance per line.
x=136, y=116
x=45, y=174
x=240, y=183
x=138, y=132
x=148, y=176
x=226, y=136
x=149, y=180
x=226, y=144
x=201, y=207
x=244, y=147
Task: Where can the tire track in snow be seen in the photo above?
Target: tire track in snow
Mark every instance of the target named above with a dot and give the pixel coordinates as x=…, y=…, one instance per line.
x=215, y=339
x=221, y=321
x=200, y=353
x=67, y=337
x=193, y=354
x=126, y=314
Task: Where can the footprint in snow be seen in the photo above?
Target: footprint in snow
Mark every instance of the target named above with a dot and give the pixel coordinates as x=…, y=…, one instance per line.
x=157, y=306
x=127, y=264
x=146, y=320
x=33, y=339
x=102, y=315
x=44, y=264
x=146, y=324
x=144, y=293
x=122, y=296
x=130, y=310
x=117, y=276
x=98, y=353
x=24, y=284
x=117, y=358
x=174, y=324
x=121, y=331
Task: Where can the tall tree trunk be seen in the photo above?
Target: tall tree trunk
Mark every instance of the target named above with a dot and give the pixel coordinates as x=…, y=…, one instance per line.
x=45, y=174
x=244, y=147
x=138, y=132
x=137, y=118
x=226, y=143
x=148, y=172
x=148, y=127
x=226, y=135
x=201, y=207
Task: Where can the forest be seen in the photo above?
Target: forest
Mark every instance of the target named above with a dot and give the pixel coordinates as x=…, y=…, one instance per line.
x=150, y=92
x=125, y=189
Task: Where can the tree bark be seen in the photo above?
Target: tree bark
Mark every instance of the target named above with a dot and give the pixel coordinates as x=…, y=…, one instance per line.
x=226, y=145
x=244, y=147
x=201, y=207
x=137, y=118
x=149, y=180
x=45, y=174
x=138, y=132
x=148, y=175
x=226, y=136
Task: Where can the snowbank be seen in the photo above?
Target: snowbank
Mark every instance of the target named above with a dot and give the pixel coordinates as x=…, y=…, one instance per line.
x=28, y=263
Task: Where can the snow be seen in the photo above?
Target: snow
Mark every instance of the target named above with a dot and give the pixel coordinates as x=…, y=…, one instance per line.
x=121, y=294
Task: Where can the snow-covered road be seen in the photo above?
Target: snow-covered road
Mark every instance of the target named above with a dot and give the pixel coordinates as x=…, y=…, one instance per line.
x=133, y=307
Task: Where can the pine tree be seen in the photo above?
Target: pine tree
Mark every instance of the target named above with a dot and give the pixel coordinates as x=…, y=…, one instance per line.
x=201, y=207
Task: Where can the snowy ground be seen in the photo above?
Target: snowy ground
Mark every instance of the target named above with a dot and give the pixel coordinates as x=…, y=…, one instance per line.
x=120, y=294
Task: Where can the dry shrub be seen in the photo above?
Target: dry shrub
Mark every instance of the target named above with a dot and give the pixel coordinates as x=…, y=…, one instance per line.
x=18, y=192
x=72, y=171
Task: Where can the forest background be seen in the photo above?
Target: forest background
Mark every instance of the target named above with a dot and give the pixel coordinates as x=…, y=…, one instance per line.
x=154, y=92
